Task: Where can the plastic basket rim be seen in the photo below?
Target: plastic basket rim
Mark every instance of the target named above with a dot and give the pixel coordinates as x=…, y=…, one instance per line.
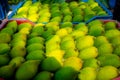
x=109, y=16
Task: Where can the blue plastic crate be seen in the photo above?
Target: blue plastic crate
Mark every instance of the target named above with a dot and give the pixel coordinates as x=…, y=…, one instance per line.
x=17, y=7
x=15, y=10
x=4, y=8
x=13, y=5
x=109, y=16
x=2, y=16
x=112, y=3
x=109, y=3
x=4, y=12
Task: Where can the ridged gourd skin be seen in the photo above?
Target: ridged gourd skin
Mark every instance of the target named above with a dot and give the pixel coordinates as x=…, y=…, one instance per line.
x=43, y=75
x=4, y=59
x=4, y=48
x=107, y=73
x=7, y=71
x=69, y=74
x=27, y=70
x=5, y=38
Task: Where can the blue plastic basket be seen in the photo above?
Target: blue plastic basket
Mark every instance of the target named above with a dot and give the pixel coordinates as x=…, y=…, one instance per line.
x=112, y=3
x=15, y=10
x=13, y=6
x=17, y=7
x=2, y=16
x=109, y=16
x=4, y=8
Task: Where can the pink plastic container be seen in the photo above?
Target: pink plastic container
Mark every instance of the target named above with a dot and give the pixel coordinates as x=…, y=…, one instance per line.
x=118, y=78
x=19, y=21
x=118, y=23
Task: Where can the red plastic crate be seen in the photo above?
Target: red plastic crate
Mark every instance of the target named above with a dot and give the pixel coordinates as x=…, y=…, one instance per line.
x=19, y=21
x=118, y=78
x=118, y=23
